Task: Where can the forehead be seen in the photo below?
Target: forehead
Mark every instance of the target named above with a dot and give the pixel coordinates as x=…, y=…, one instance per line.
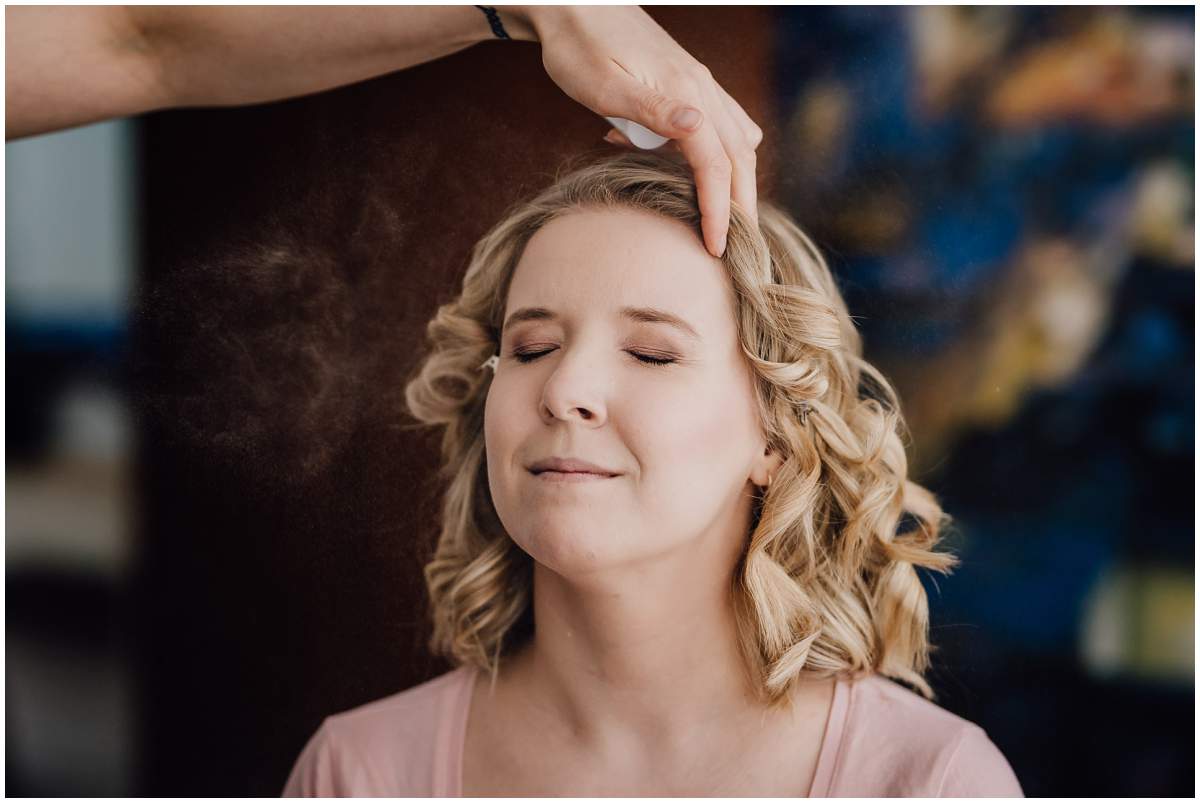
x=596, y=261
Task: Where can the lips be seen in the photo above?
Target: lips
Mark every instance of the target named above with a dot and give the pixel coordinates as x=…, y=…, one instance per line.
x=572, y=478
x=570, y=465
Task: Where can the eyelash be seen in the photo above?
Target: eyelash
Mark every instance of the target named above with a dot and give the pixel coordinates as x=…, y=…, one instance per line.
x=524, y=357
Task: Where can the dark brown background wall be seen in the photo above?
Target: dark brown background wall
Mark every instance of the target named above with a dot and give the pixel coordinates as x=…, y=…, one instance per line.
x=294, y=252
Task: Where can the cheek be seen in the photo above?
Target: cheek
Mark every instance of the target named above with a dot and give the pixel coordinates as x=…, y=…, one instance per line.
x=702, y=422
x=499, y=434
x=506, y=409
x=694, y=453
x=506, y=422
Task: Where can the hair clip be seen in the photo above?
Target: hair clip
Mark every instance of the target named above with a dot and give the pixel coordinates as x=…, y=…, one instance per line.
x=805, y=409
x=491, y=362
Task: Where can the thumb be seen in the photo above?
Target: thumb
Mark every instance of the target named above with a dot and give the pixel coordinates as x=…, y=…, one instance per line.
x=663, y=115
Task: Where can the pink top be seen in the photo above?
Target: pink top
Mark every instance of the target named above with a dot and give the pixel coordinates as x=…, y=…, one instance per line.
x=881, y=740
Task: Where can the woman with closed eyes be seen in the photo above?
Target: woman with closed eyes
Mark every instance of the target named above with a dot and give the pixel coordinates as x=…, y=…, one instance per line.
x=670, y=560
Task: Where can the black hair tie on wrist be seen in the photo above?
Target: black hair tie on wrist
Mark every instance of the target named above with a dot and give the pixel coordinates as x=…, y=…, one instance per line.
x=494, y=19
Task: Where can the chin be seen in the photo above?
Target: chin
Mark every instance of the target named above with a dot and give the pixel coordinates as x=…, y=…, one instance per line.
x=572, y=549
x=583, y=554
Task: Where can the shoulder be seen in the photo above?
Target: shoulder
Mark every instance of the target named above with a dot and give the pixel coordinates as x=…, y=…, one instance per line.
x=901, y=744
x=386, y=746
x=889, y=705
x=978, y=769
x=412, y=710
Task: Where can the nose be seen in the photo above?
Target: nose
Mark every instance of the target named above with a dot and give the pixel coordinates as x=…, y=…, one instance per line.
x=574, y=392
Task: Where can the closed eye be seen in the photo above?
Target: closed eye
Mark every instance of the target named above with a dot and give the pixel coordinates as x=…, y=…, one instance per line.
x=530, y=356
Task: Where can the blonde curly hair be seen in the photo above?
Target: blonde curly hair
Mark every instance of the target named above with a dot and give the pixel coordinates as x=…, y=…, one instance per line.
x=826, y=585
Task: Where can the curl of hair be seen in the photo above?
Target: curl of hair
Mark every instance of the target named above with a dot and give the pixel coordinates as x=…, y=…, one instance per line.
x=826, y=585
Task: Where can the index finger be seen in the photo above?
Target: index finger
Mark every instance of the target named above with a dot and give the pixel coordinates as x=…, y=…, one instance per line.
x=746, y=191
x=714, y=173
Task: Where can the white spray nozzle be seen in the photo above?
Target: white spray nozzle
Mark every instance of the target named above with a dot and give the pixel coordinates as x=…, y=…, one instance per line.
x=638, y=134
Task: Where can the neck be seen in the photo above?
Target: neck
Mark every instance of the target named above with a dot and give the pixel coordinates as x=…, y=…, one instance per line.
x=617, y=664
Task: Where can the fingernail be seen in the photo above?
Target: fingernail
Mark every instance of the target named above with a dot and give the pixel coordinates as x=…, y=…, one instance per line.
x=687, y=118
x=721, y=245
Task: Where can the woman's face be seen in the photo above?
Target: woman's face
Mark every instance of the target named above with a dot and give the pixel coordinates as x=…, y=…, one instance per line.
x=683, y=435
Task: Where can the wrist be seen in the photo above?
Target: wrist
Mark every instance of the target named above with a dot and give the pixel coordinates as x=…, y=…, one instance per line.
x=516, y=22
x=530, y=23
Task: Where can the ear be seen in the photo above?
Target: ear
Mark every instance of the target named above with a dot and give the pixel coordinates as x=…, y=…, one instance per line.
x=767, y=465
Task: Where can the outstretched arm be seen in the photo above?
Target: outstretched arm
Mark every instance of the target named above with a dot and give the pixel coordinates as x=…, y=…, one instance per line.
x=70, y=66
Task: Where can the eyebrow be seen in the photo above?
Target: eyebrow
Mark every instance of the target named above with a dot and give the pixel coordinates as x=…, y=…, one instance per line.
x=638, y=314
